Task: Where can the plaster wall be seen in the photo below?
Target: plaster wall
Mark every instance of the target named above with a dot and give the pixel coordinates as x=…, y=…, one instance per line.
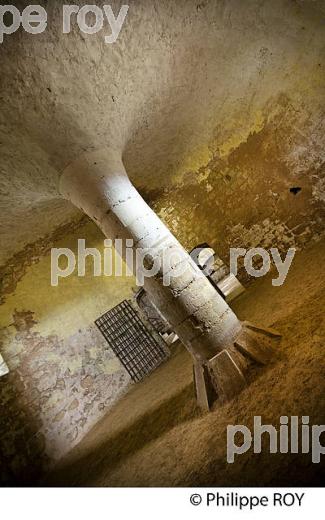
x=63, y=376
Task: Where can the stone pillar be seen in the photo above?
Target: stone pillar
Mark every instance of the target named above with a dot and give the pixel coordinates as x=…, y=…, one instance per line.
x=98, y=184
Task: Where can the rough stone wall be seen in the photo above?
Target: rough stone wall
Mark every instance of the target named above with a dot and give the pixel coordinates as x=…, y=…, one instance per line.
x=63, y=377
x=242, y=196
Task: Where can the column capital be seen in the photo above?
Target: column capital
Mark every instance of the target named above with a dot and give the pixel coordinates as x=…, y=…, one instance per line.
x=94, y=182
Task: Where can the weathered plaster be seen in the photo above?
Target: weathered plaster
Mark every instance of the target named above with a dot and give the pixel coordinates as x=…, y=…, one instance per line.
x=63, y=376
x=243, y=198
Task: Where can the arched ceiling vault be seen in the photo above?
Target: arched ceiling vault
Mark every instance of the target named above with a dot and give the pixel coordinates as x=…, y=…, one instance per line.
x=187, y=82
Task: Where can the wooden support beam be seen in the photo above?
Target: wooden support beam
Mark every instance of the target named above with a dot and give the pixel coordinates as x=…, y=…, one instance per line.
x=226, y=376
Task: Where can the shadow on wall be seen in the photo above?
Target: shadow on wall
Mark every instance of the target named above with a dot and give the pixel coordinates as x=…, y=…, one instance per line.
x=22, y=445
x=22, y=456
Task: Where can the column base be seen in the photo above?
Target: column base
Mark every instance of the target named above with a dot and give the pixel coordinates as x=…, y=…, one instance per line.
x=222, y=377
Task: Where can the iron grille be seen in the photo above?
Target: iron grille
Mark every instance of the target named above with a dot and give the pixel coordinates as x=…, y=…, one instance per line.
x=131, y=341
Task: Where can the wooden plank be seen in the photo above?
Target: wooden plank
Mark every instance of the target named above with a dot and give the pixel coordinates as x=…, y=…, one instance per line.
x=254, y=346
x=266, y=330
x=205, y=393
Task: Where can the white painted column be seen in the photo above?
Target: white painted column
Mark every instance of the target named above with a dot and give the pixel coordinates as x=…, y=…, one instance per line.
x=98, y=184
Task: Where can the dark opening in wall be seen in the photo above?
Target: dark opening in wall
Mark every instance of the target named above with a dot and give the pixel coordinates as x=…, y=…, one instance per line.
x=295, y=190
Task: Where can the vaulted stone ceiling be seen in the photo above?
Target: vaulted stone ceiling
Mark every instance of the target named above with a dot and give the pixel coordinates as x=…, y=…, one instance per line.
x=184, y=86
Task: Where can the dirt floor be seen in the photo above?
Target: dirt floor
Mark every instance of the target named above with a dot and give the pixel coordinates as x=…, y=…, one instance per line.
x=155, y=436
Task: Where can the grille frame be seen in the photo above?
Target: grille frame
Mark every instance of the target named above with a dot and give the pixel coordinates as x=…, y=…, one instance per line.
x=131, y=341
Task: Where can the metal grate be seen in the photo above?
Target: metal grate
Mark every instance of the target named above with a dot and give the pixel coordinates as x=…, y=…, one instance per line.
x=130, y=340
